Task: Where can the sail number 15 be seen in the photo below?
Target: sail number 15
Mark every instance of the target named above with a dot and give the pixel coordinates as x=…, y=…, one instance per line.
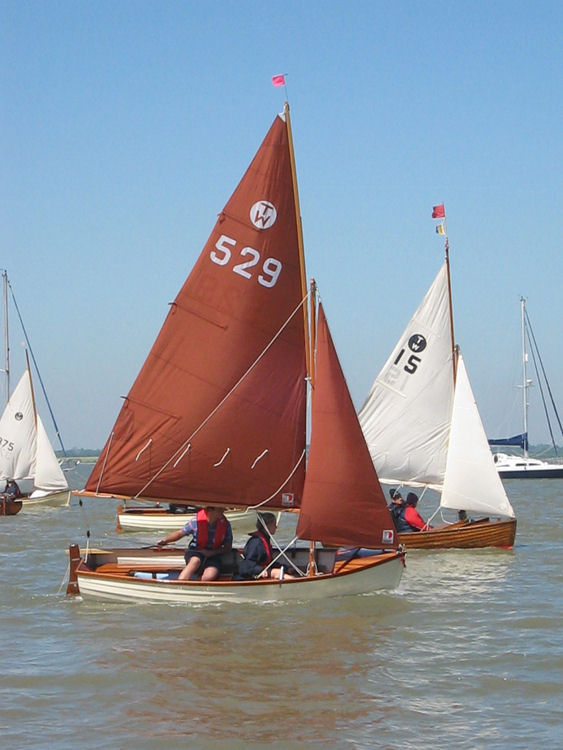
x=268, y=272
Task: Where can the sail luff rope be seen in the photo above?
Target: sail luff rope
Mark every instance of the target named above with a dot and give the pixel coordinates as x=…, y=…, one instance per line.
x=224, y=399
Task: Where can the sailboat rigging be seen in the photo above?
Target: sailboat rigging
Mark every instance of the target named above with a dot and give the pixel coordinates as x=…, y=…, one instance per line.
x=423, y=428
x=25, y=450
x=217, y=414
x=512, y=466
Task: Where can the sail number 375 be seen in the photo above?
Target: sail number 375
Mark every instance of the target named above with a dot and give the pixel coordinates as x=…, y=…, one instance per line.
x=266, y=272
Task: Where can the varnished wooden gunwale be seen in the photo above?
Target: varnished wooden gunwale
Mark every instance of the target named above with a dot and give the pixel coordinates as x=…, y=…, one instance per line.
x=464, y=535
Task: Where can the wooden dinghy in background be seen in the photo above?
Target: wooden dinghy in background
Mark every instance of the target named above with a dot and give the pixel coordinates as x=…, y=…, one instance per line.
x=463, y=535
x=423, y=429
x=9, y=507
x=136, y=518
x=26, y=452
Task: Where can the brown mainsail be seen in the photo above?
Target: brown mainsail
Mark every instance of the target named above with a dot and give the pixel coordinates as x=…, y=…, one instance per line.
x=217, y=412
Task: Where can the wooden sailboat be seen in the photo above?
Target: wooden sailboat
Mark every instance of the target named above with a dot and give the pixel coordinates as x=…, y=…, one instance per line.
x=511, y=466
x=26, y=452
x=217, y=415
x=423, y=429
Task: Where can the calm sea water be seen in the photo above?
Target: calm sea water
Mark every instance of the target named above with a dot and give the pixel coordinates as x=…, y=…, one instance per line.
x=468, y=653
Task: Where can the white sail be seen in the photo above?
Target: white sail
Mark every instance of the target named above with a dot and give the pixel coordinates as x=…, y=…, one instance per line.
x=25, y=450
x=406, y=416
x=49, y=476
x=472, y=482
x=18, y=434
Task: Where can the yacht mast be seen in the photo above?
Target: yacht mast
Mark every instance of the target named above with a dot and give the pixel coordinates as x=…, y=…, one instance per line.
x=525, y=381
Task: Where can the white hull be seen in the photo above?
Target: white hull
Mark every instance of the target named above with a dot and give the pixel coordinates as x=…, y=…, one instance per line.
x=241, y=521
x=522, y=467
x=381, y=572
x=52, y=499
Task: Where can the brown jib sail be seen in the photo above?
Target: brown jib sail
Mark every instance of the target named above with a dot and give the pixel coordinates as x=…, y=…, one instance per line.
x=343, y=503
x=217, y=412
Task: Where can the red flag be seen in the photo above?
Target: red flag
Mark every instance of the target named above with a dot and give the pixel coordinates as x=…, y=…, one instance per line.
x=278, y=80
x=439, y=212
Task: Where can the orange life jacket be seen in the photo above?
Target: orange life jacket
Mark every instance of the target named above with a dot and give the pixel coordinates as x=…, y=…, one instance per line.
x=203, y=530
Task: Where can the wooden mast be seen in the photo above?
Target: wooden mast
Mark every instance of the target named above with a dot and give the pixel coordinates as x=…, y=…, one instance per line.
x=299, y=239
x=454, y=349
x=308, y=325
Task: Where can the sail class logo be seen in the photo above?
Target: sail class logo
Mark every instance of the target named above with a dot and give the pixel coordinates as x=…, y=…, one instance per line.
x=18, y=416
x=263, y=214
x=417, y=343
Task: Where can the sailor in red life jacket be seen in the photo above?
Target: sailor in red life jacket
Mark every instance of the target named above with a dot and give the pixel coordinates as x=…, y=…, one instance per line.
x=258, y=552
x=412, y=516
x=211, y=536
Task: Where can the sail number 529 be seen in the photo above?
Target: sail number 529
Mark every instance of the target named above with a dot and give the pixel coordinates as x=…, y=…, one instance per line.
x=269, y=271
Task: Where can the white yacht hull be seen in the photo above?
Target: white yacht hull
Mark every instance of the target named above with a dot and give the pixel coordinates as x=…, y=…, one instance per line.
x=522, y=467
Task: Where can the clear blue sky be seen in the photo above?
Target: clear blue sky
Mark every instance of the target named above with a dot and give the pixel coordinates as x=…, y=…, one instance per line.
x=127, y=124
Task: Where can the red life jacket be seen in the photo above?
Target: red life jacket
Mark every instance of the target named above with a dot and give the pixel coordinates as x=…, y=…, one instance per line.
x=203, y=530
x=267, y=546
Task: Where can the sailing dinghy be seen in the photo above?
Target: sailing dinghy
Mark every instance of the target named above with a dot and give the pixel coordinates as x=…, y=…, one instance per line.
x=26, y=452
x=423, y=429
x=217, y=416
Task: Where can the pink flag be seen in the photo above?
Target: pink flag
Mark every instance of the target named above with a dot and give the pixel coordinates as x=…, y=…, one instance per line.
x=438, y=212
x=278, y=80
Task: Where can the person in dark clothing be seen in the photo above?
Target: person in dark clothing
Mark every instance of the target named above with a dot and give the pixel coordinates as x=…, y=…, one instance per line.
x=11, y=490
x=258, y=552
x=397, y=510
